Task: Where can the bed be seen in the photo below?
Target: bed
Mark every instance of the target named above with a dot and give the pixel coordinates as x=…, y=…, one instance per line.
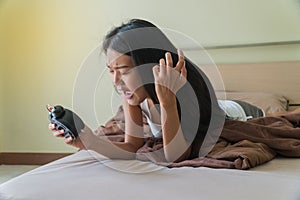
x=89, y=175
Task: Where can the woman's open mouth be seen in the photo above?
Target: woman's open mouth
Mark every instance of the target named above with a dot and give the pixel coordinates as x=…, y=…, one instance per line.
x=125, y=91
x=128, y=94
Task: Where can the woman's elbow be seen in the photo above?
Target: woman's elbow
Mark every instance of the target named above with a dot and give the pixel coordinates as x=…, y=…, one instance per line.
x=171, y=158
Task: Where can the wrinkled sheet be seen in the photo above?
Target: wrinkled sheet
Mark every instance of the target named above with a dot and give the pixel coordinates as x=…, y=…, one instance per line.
x=242, y=144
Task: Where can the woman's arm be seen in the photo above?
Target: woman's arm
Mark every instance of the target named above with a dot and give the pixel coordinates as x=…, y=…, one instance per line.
x=117, y=150
x=134, y=133
x=175, y=146
x=133, y=136
x=168, y=81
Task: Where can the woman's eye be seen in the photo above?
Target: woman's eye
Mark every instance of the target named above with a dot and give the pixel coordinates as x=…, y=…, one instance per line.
x=125, y=73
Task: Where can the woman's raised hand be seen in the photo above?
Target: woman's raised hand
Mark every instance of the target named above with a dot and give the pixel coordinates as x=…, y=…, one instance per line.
x=169, y=79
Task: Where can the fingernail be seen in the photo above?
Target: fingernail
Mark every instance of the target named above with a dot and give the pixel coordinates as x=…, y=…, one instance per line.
x=180, y=53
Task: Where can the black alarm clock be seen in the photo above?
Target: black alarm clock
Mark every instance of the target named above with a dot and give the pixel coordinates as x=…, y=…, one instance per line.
x=65, y=119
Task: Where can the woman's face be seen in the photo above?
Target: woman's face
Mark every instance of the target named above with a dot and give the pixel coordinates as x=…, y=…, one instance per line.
x=124, y=77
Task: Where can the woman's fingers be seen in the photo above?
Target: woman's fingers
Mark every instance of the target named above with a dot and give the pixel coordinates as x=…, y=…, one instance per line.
x=155, y=70
x=169, y=59
x=181, y=61
x=59, y=133
x=51, y=126
x=56, y=133
x=168, y=62
x=169, y=79
x=183, y=71
x=180, y=53
x=68, y=140
x=162, y=66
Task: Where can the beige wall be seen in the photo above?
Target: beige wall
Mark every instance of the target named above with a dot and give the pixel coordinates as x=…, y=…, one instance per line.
x=1, y=104
x=276, y=53
x=46, y=41
x=1, y=92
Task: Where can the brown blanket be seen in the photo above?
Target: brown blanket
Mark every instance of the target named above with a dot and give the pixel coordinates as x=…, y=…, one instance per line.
x=242, y=145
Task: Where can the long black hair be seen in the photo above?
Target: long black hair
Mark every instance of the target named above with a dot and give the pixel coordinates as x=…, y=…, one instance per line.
x=196, y=101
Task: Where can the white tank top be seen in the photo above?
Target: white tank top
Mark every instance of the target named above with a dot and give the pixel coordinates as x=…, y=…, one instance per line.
x=153, y=118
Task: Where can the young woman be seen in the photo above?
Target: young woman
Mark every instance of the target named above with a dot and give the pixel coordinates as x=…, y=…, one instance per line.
x=156, y=80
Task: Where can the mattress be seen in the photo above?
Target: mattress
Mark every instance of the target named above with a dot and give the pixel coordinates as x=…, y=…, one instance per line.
x=89, y=175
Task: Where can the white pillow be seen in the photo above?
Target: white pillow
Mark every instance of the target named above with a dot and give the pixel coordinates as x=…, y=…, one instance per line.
x=268, y=102
x=233, y=110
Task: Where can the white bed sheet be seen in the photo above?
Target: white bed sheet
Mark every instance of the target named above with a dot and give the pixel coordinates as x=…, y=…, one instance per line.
x=87, y=175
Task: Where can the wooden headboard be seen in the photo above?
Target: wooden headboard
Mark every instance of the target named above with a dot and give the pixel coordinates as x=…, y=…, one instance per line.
x=272, y=77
